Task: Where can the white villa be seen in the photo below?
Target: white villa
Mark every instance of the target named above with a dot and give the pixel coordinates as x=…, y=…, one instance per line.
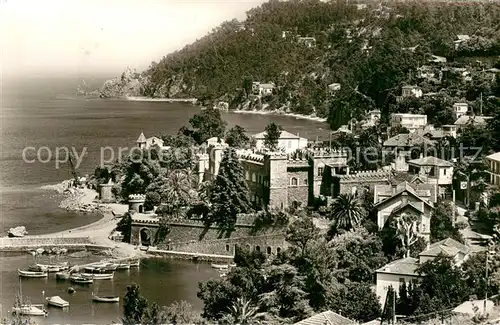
x=287, y=142
x=405, y=270
x=147, y=143
x=433, y=170
x=410, y=121
x=494, y=168
x=460, y=109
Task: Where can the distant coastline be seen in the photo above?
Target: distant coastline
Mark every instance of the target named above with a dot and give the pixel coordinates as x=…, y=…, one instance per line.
x=297, y=116
x=168, y=100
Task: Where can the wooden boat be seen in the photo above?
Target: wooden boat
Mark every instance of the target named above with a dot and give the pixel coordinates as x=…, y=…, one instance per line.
x=57, y=302
x=32, y=274
x=99, y=276
x=105, y=299
x=135, y=263
x=123, y=266
x=30, y=310
x=62, y=275
x=81, y=279
x=49, y=267
x=220, y=266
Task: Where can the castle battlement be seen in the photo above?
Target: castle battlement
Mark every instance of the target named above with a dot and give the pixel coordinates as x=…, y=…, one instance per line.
x=366, y=175
x=249, y=155
x=137, y=197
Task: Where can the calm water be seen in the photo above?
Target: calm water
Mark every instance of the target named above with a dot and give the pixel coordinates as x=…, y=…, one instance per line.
x=161, y=280
x=46, y=113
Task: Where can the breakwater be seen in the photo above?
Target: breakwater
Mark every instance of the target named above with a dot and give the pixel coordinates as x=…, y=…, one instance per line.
x=27, y=243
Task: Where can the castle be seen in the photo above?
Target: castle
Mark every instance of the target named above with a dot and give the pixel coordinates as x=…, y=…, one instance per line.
x=278, y=179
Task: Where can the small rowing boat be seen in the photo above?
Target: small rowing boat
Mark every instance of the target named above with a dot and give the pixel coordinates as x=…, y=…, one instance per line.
x=123, y=266
x=99, y=276
x=105, y=299
x=135, y=263
x=30, y=310
x=220, y=266
x=32, y=274
x=81, y=279
x=57, y=302
x=62, y=275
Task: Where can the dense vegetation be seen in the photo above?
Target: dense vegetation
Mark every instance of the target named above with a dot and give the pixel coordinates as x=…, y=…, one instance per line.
x=370, y=51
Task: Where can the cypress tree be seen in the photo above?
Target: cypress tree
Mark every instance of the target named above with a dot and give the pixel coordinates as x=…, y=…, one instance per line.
x=229, y=195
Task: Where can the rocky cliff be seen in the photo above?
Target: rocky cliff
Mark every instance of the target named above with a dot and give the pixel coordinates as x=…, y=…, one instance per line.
x=130, y=83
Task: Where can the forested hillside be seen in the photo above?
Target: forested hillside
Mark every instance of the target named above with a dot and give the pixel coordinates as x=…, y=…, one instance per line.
x=370, y=49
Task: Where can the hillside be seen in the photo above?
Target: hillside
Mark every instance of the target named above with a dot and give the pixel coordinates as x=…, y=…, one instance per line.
x=370, y=49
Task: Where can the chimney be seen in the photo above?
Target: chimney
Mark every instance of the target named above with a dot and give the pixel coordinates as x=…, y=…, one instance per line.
x=405, y=197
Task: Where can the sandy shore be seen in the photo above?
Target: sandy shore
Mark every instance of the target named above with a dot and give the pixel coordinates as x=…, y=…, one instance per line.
x=297, y=116
x=98, y=232
x=169, y=100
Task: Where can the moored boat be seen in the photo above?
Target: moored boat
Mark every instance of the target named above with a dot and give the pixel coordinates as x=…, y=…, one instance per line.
x=134, y=263
x=32, y=274
x=57, y=302
x=29, y=310
x=81, y=279
x=220, y=266
x=99, y=276
x=62, y=275
x=105, y=299
x=123, y=266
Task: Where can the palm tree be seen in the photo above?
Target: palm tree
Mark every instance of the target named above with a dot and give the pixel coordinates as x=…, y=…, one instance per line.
x=243, y=311
x=346, y=211
x=177, y=192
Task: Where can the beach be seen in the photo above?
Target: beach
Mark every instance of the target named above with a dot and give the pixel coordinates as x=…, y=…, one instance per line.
x=275, y=112
x=84, y=200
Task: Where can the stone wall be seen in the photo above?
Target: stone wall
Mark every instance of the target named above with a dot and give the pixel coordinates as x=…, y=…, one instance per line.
x=269, y=244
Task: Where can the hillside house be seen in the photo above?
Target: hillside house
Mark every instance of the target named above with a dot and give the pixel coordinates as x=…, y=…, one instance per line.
x=372, y=118
x=437, y=59
x=402, y=146
x=460, y=109
x=287, y=142
x=494, y=168
x=405, y=270
x=148, y=143
x=466, y=120
x=411, y=122
x=449, y=130
x=426, y=72
x=408, y=198
x=326, y=318
x=286, y=34
x=309, y=42
x=262, y=89
x=430, y=133
x=411, y=91
x=434, y=171
x=333, y=88
x=460, y=39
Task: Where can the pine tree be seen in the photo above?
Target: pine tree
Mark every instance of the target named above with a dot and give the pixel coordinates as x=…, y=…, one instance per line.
x=271, y=138
x=229, y=194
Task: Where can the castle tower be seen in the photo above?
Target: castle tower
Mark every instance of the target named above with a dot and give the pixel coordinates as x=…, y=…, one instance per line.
x=203, y=166
x=136, y=203
x=276, y=164
x=216, y=153
x=141, y=141
x=106, y=192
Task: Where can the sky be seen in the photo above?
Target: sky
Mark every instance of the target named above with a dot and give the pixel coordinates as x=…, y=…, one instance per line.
x=84, y=37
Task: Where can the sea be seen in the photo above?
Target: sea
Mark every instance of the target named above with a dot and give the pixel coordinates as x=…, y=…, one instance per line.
x=41, y=118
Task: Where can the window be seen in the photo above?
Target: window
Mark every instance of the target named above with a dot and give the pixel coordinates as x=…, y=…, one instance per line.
x=278, y=250
x=320, y=171
x=257, y=248
x=227, y=248
x=444, y=171
x=247, y=175
x=269, y=250
x=304, y=181
x=254, y=177
x=401, y=281
x=293, y=181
